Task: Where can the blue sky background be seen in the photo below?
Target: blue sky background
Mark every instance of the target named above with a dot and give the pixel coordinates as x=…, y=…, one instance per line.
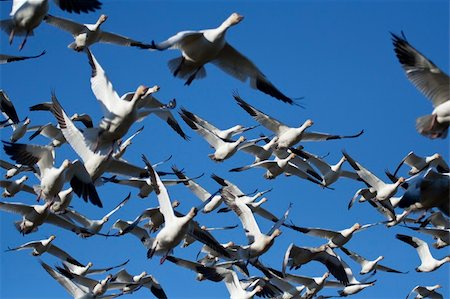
x=337, y=55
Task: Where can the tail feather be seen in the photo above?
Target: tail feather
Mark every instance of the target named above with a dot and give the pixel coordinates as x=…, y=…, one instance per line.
x=428, y=126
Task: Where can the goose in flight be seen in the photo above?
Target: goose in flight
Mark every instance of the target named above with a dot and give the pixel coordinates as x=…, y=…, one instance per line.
x=224, y=149
x=258, y=243
x=426, y=292
x=220, y=272
x=330, y=173
x=296, y=256
x=287, y=136
x=52, y=178
x=86, y=35
x=14, y=169
x=77, y=291
x=12, y=58
x=46, y=245
x=223, y=134
x=9, y=112
x=203, y=46
x=175, y=227
x=432, y=82
x=12, y=187
x=428, y=262
x=35, y=215
x=88, y=270
x=441, y=235
x=26, y=15
x=92, y=227
x=95, y=162
x=147, y=281
x=368, y=266
x=419, y=164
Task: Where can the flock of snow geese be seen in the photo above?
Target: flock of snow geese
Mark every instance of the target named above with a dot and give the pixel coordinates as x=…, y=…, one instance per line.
x=101, y=146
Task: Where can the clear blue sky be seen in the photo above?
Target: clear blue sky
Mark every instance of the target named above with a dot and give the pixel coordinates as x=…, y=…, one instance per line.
x=337, y=55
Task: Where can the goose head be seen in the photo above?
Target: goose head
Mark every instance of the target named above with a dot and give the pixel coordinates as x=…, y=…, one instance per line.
x=175, y=203
x=26, y=121
x=308, y=123
x=51, y=238
x=241, y=139
x=275, y=233
x=234, y=19
x=356, y=227
x=192, y=213
x=102, y=19
x=152, y=90
x=140, y=92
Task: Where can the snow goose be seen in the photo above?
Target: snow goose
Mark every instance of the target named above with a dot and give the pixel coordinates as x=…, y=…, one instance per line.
x=125, y=227
x=50, y=131
x=354, y=285
x=87, y=270
x=46, y=245
x=93, y=227
x=220, y=273
x=12, y=58
x=52, y=179
x=287, y=136
x=175, y=228
x=258, y=243
x=330, y=173
x=224, y=149
x=382, y=190
x=426, y=292
x=296, y=256
x=313, y=285
x=26, y=15
x=9, y=112
x=335, y=238
x=432, y=82
x=35, y=215
x=428, y=262
x=95, y=162
x=441, y=235
x=12, y=187
x=223, y=134
x=147, y=281
x=86, y=35
x=368, y=266
x=95, y=287
x=14, y=169
x=200, y=47
x=276, y=279
x=199, y=191
x=76, y=291
x=419, y=164
x=63, y=201
x=119, y=113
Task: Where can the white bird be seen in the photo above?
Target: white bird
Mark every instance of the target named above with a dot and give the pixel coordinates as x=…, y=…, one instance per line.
x=441, y=235
x=27, y=15
x=432, y=82
x=354, y=285
x=52, y=178
x=426, y=292
x=368, y=266
x=296, y=256
x=46, y=245
x=287, y=136
x=95, y=162
x=35, y=215
x=258, y=243
x=223, y=134
x=147, y=281
x=93, y=227
x=312, y=284
x=14, y=169
x=76, y=291
x=87, y=270
x=203, y=46
x=224, y=149
x=383, y=191
x=330, y=173
x=335, y=238
x=12, y=58
x=9, y=112
x=175, y=228
x=86, y=35
x=220, y=273
x=428, y=262
x=50, y=131
x=12, y=187
x=419, y=164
